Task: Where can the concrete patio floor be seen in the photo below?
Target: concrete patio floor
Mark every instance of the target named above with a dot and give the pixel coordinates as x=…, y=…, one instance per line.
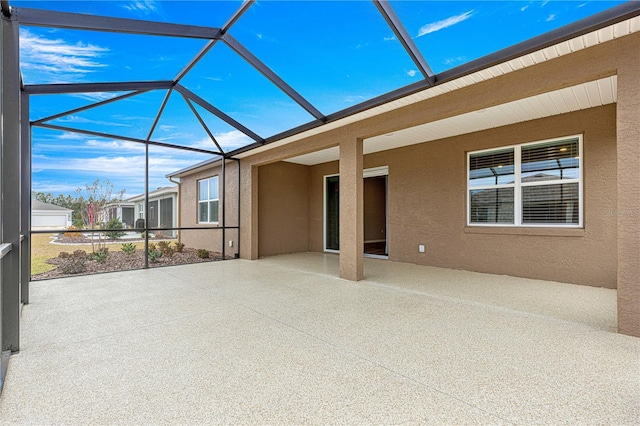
x=282, y=340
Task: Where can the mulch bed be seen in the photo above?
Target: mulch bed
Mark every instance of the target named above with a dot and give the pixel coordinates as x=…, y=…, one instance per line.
x=119, y=261
x=81, y=239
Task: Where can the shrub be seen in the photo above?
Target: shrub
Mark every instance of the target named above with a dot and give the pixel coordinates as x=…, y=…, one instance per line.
x=165, y=248
x=203, y=253
x=128, y=248
x=154, y=255
x=101, y=255
x=159, y=234
x=73, y=265
x=73, y=234
x=114, y=223
x=143, y=234
x=179, y=247
x=64, y=255
x=80, y=253
x=152, y=246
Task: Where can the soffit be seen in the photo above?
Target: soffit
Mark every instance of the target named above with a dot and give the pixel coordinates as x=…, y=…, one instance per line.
x=600, y=36
x=582, y=96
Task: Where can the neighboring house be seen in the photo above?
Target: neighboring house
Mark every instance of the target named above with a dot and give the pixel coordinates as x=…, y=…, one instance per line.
x=525, y=167
x=49, y=216
x=163, y=208
x=122, y=210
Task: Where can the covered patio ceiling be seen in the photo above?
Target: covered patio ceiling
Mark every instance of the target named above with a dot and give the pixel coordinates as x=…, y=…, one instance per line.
x=306, y=94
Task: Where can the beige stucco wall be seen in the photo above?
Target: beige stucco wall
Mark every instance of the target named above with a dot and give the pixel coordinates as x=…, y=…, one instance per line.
x=210, y=239
x=283, y=208
x=427, y=205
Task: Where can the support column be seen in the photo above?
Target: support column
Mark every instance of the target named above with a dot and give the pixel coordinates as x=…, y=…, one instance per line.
x=628, y=140
x=351, y=210
x=10, y=213
x=25, y=189
x=249, y=209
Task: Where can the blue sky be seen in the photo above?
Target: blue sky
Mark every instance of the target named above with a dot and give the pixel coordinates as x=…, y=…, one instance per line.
x=334, y=53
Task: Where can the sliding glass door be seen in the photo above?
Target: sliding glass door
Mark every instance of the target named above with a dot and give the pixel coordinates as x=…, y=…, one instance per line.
x=332, y=213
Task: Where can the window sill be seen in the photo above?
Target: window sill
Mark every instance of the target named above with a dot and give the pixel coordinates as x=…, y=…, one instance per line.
x=533, y=231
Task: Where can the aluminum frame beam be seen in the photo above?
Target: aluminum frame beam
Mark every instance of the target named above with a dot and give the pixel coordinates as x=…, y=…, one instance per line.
x=66, y=88
x=232, y=20
x=10, y=212
x=246, y=4
x=203, y=124
x=237, y=47
x=195, y=60
x=405, y=39
x=78, y=21
x=165, y=100
x=86, y=107
x=363, y=106
x=124, y=138
x=218, y=113
x=25, y=188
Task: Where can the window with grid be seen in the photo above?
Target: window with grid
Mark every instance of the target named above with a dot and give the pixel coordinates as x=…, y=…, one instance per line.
x=208, y=200
x=536, y=184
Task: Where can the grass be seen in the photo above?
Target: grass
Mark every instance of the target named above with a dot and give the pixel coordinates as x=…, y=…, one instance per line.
x=41, y=250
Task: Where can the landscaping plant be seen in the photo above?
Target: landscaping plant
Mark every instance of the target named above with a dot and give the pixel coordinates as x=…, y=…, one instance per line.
x=101, y=255
x=114, y=223
x=128, y=248
x=154, y=255
x=165, y=248
x=203, y=253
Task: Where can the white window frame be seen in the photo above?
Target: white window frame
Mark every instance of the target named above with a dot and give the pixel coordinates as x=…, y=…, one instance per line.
x=208, y=201
x=518, y=185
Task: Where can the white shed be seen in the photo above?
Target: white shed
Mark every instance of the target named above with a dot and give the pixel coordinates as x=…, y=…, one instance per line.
x=49, y=216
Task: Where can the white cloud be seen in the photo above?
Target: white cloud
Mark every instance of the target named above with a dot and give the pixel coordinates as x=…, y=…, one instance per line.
x=166, y=128
x=456, y=60
x=232, y=139
x=57, y=60
x=551, y=17
x=227, y=140
x=146, y=7
x=353, y=99
x=390, y=38
x=544, y=3
x=95, y=96
x=259, y=35
x=445, y=23
x=71, y=136
x=523, y=8
x=53, y=187
x=76, y=119
x=411, y=73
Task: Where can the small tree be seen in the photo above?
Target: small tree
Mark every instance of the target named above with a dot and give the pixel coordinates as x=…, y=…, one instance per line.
x=114, y=223
x=99, y=194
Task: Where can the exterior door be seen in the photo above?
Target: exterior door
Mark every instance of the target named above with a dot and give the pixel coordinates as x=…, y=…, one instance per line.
x=332, y=213
x=375, y=212
x=153, y=214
